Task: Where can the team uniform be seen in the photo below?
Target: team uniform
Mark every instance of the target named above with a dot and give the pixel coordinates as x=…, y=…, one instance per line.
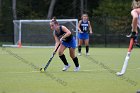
x=84, y=26
x=84, y=36
x=68, y=42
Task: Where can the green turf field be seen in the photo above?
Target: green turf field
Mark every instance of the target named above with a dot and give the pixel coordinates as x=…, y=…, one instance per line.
x=19, y=72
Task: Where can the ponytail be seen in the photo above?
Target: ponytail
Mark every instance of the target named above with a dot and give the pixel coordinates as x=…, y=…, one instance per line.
x=54, y=20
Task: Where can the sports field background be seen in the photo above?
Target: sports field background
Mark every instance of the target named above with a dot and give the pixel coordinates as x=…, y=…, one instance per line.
x=19, y=71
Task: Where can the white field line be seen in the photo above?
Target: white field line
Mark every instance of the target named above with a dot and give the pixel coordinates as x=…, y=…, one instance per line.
x=110, y=69
x=94, y=70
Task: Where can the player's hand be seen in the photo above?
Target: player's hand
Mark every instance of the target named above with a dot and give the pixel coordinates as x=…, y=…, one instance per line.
x=80, y=32
x=62, y=39
x=132, y=35
x=91, y=32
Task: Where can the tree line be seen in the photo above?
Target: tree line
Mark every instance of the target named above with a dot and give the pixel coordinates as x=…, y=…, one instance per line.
x=44, y=9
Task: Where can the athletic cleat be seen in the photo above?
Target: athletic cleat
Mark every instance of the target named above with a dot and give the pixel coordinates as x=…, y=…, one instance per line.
x=79, y=54
x=87, y=54
x=66, y=67
x=77, y=69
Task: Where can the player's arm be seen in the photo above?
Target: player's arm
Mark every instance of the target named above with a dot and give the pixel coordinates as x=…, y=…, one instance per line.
x=134, y=14
x=57, y=41
x=79, y=29
x=90, y=28
x=67, y=33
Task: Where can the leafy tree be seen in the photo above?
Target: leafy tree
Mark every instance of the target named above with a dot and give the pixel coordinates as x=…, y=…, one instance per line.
x=14, y=9
x=113, y=8
x=116, y=14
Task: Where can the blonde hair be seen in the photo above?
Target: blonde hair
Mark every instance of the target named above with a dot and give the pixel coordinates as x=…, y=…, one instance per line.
x=135, y=4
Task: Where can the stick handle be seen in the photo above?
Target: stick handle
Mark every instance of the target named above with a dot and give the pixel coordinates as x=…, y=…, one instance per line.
x=56, y=49
x=51, y=57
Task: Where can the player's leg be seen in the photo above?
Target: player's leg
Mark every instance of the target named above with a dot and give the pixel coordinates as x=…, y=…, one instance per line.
x=74, y=58
x=86, y=41
x=87, y=46
x=80, y=42
x=62, y=57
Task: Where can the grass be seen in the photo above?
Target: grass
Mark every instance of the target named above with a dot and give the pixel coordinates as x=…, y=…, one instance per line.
x=18, y=73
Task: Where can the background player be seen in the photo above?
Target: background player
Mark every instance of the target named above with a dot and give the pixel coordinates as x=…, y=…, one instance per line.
x=84, y=28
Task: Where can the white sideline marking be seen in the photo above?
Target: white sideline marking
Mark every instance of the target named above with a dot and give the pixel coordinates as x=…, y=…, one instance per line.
x=106, y=70
x=22, y=72
x=62, y=71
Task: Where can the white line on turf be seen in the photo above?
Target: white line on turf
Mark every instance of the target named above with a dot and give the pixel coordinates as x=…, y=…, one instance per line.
x=93, y=70
x=107, y=69
x=22, y=72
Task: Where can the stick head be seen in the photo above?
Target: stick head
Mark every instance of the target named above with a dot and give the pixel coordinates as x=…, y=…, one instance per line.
x=119, y=74
x=42, y=70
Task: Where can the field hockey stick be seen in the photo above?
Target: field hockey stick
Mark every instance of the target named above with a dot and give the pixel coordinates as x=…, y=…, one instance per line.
x=126, y=58
x=44, y=69
x=135, y=43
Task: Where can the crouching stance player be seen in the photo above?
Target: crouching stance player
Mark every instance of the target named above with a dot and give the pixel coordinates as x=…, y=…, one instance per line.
x=63, y=36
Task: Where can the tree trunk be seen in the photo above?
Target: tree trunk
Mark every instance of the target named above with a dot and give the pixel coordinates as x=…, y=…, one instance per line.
x=14, y=9
x=82, y=7
x=0, y=9
x=86, y=6
x=74, y=8
x=51, y=8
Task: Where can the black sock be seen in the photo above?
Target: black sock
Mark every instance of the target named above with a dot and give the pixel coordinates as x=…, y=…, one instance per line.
x=64, y=60
x=87, y=49
x=79, y=49
x=75, y=60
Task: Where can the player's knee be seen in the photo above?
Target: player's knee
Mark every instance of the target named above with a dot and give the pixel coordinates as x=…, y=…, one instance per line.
x=86, y=44
x=72, y=56
x=60, y=53
x=79, y=44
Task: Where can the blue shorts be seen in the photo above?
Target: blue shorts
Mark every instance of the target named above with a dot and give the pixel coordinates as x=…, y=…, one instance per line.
x=83, y=36
x=70, y=44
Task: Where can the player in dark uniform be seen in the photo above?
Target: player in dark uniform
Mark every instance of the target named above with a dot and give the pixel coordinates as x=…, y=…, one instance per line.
x=63, y=35
x=84, y=28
